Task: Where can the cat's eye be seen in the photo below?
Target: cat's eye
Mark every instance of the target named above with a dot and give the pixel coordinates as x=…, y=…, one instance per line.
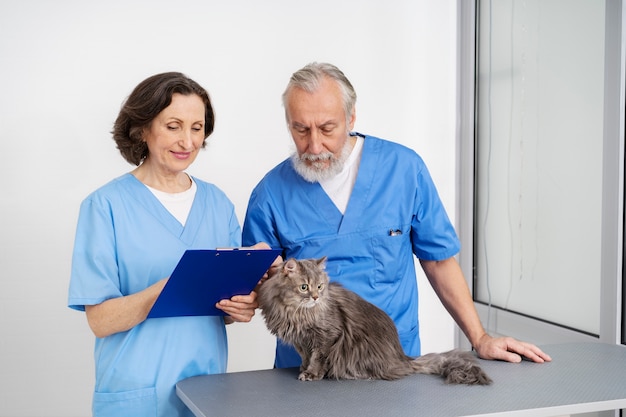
x=304, y=287
x=320, y=287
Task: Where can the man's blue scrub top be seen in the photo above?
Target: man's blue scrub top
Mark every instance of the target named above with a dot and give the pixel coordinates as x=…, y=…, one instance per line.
x=126, y=241
x=394, y=212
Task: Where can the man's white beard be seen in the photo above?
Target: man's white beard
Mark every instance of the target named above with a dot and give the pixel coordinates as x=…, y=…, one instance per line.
x=314, y=168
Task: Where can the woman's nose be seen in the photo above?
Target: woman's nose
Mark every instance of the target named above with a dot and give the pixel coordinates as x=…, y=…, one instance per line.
x=186, y=140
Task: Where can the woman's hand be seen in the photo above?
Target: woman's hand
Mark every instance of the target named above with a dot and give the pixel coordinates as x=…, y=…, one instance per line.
x=239, y=308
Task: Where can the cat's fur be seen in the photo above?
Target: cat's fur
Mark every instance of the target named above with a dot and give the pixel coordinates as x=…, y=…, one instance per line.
x=340, y=335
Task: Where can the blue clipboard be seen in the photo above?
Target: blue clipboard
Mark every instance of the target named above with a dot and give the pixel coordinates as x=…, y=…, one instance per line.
x=205, y=276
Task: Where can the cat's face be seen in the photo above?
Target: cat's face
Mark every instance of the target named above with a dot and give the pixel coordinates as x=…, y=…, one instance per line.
x=305, y=282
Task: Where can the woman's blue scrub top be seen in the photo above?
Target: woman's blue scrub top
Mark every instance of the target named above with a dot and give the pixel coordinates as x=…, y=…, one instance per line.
x=393, y=213
x=126, y=241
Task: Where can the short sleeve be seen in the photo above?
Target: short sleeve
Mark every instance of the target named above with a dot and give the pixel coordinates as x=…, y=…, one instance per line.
x=433, y=235
x=94, y=273
x=258, y=225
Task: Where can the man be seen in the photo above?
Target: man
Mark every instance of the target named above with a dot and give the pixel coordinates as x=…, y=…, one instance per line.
x=369, y=205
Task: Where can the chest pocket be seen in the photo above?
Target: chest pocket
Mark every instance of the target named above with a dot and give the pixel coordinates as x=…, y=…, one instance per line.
x=392, y=254
x=383, y=255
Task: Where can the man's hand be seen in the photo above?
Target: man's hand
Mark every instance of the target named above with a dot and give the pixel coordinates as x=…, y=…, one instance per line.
x=273, y=269
x=509, y=349
x=241, y=308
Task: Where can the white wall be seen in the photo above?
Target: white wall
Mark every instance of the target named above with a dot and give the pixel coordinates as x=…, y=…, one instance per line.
x=66, y=67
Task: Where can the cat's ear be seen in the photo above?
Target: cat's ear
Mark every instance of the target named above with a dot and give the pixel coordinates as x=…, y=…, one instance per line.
x=290, y=266
x=321, y=262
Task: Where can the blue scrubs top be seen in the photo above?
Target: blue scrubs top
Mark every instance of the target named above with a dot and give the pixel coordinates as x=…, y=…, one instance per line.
x=394, y=212
x=126, y=241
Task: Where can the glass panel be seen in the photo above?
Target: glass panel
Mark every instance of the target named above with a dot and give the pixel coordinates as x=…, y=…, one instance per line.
x=539, y=141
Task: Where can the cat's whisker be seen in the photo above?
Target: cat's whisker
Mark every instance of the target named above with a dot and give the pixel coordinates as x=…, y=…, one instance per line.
x=300, y=305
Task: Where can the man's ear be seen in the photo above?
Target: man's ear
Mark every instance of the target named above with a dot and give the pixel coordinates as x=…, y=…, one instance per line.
x=352, y=119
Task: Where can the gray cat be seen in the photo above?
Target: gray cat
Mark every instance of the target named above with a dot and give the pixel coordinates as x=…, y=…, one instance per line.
x=340, y=335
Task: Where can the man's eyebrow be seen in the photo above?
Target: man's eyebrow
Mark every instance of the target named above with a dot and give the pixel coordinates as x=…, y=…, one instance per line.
x=298, y=125
x=328, y=123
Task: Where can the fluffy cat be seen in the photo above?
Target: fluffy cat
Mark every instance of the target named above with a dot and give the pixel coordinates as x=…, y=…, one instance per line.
x=340, y=335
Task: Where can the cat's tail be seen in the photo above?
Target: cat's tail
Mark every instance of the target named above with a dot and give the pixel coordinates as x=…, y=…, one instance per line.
x=455, y=366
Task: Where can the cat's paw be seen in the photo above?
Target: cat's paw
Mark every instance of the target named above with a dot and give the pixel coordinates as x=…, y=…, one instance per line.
x=309, y=376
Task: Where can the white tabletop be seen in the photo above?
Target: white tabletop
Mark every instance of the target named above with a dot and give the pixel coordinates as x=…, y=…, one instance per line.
x=581, y=378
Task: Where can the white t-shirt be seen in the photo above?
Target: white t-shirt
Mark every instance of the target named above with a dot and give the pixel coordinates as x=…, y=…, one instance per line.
x=178, y=204
x=339, y=188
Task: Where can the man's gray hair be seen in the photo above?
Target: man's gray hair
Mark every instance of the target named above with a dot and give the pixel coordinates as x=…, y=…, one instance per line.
x=309, y=77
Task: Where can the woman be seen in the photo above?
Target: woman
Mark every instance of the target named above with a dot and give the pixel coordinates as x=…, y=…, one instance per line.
x=130, y=235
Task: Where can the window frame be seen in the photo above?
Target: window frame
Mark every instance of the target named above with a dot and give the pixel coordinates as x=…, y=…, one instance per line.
x=502, y=322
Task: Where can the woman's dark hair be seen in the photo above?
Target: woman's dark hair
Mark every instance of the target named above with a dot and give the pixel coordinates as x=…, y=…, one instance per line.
x=146, y=101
